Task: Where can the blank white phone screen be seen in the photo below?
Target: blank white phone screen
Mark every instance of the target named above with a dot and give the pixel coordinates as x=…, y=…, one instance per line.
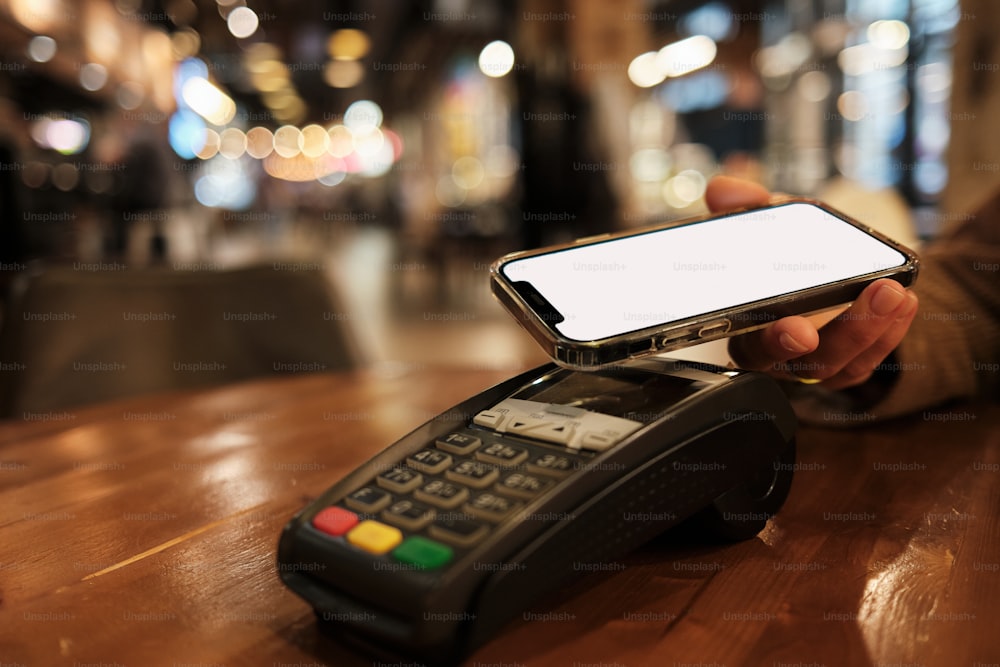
x=622, y=285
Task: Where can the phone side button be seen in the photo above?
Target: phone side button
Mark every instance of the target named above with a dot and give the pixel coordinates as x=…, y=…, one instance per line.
x=715, y=329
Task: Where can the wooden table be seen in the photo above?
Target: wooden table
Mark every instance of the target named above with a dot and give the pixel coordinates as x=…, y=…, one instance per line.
x=144, y=533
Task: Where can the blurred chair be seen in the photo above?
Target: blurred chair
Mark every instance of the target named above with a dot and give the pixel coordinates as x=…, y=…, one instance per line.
x=71, y=337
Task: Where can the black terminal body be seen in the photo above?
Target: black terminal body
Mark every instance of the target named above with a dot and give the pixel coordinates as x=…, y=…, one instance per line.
x=430, y=547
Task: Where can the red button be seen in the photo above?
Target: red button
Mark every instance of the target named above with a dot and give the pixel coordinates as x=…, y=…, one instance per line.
x=334, y=521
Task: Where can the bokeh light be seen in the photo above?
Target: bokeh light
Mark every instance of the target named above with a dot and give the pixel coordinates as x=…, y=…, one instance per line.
x=93, y=76
x=186, y=133
x=644, y=72
x=496, y=59
x=363, y=115
x=242, y=22
x=41, y=48
x=348, y=44
x=260, y=142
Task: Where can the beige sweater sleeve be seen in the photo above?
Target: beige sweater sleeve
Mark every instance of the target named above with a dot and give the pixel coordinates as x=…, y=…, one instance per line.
x=952, y=349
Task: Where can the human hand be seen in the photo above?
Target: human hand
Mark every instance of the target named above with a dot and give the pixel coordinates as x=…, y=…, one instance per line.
x=841, y=353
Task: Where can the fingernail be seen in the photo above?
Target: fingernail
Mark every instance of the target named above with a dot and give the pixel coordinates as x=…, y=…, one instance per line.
x=886, y=300
x=789, y=343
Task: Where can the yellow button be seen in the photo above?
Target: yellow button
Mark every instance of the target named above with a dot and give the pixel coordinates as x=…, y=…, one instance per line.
x=374, y=537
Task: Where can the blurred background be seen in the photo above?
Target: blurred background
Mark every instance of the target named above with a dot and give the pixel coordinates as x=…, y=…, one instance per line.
x=397, y=148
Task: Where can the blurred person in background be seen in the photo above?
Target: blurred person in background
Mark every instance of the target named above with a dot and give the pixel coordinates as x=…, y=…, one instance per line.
x=141, y=195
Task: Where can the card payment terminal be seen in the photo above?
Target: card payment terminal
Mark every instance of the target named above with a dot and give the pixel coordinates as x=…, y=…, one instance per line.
x=430, y=547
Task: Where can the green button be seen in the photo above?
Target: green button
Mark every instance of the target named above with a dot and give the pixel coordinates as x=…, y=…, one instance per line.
x=423, y=552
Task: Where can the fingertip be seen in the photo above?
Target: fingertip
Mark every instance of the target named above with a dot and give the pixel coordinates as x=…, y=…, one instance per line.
x=885, y=297
x=788, y=338
x=795, y=335
x=726, y=193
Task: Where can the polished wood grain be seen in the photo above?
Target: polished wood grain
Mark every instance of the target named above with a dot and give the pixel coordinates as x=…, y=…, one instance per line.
x=143, y=532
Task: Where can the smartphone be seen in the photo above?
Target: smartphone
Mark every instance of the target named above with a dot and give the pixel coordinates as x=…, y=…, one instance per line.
x=607, y=299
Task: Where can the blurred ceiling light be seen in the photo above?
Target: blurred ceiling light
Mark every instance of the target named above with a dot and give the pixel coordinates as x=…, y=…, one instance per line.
x=343, y=73
x=713, y=19
x=38, y=15
x=273, y=80
x=41, y=48
x=93, y=76
x=394, y=142
x=701, y=90
x=282, y=100
x=348, y=44
x=889, y=35
x=286, y=141
x=468, y=172
x=314, y=141
x=379, y=162
x=37, y=131
x=644, y=72
x=208, y=101
x=101, y=33
x=264, y=67
x=650, y=165
x=157, y=69
x=260, y=142
x=814, y=86
x=269, y=76
x=191, y=67
x=684, y=189
x=68, y=136
x=186, y=70
x=502, y=161
x=934, y=81
x=262, y=51
x=448, y=193
x=335, y=172
x=225, y=184
x=496, y=59
x=830, y=34
x=232, y=143
x=864, y=58
x=686, y=56
x=65, y=176
x=185, y=43
x=293, y=112
x=852, y=105
x=297, y=169
x=278, y=99
x=790, y=53
x=130, y=95
x=369, y=143
x=210, y=145
x=341, y=141
x=362, y=115
x=186, y=133
x=242, y=22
